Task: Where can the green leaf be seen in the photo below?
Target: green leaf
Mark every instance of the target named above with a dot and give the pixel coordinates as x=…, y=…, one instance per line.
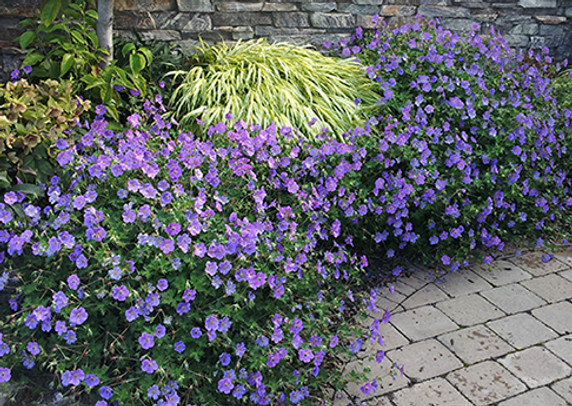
x=26, y=39
x=28, y=188
x=127, y=49
x=91, y=13
x=148, y=54
x=49, y=11
x=136, y=62
x=67, y=63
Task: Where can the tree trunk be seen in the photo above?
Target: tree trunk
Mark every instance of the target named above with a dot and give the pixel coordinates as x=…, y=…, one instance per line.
x=105, y=29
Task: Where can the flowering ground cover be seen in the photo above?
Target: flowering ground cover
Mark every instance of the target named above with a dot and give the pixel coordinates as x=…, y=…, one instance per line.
x=165, y=267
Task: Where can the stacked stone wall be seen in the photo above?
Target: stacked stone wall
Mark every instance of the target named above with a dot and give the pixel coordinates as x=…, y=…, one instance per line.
x=524, y=23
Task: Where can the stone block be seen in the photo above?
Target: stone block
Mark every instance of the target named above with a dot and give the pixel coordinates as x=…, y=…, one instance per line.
x=437, y=391
x=270, y=31
x=475, y=344
x=369, y=2
x=381, y=372
x=486, y=383
x=365, y=21
x=552, y=288
x=426, y=295
x=517, y=40
x=322, y=7
x=513, y=298
x=357, y=9
x=424, y=360
x=521, y=330
x=423, y=322
x=567, y=274
x=501, y=272
x=131, y=20
x=279, y=7
x=457, y=24
x=556, y=316
x=444, y=11
x=198, y=23
x=238, y=33
x=551, y=20
x=536, y=366
x=237, y=6
x=288, y=19
x=145, y=5
x=398, y=10
x=332, y=20
x=469, y=310
x=565, y=256
x=526, y=29
x=195, y=6
x=562, y=347
x=20, y=8
x=241, y=19
x=463, y=282
x=564, y=389
x=540, y=396
x=537, y=3
x=161, y=35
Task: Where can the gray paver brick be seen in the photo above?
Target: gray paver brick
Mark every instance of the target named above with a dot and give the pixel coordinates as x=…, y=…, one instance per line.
x=422, y=322
x=501, y=272
x=425, y=359
x=391, y=339
x=565, y=256
x=562, y=347
x=558, y=316
x=536, y=366
x=428, y=294
x=470, y=310
x=475, y=344
x=462, y=283
x=381, y=372
x=485, y=383
x=534, y=265
x=552, y=288
x=521, y=330
x=564, y=389
x=436, y=391
x=513, y=298
x=537, y=397
x=567, y=274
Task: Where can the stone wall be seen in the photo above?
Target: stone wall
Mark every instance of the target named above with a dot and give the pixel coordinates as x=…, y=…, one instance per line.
x=524, y=23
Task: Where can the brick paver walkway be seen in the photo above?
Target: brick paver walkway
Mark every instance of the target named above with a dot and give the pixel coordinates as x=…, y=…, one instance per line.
x=493, y=335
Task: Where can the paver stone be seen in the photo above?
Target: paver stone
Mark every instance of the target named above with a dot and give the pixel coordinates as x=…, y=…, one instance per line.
x=552, y=288
x=501, y=272
x=537, y=397
x=557, y=316
x=422, y=322
x=562, y=347
x=462, y=283
x=565, y=256
x=564, y=389
x=513, y=298
x=428, y=294
x=436, y=391
x=425, y=359
x=532, y=262
x=486, y=383
x=474, y=344
x=469, y=310
x=381, y=372
x=536, y=366
x=521, y=330
x=567, y=274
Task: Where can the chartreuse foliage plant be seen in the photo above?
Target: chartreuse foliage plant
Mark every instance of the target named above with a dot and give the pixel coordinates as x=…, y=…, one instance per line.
x=281, y=83
x=169, y=270
x=470, y=149
x=32, y=118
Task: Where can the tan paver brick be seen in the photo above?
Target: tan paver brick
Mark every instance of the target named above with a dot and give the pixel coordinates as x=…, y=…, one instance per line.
x=536, y=397
x=536, y=366
x=486, y=383
x=533, y=264
x=433, y=392
x=501, y=272
x=474, y=344
x=565, y=256
x=425, y=359
x=391, y=339
x=567, y=274
x=470, y=310
x=562, y=347
x=428, y=294
x=462, y=283
x=558, y=316
x=513, y=298
x=422, y=322
x=521, y=330
x=564, y=389
x=552, y=288
x=381, y=372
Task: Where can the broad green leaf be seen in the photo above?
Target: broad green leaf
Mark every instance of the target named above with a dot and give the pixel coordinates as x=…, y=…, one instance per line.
x=67, y=63
x=137, y=62
x=28, y=188
x=26, y=39
x=127, y=48
x=49, y=11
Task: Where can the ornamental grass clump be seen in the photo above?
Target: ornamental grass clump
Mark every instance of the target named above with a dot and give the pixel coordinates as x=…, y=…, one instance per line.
x=167, y=270
x=469, y=151
x=285, y=84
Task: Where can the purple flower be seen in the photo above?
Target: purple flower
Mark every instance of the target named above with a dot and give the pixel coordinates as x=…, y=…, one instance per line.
x=211, y=323
x=146, y=341
x=196, y=332
x=149, y=366
x=105, y=392
x=305, y=355
x=225, y=359
x=162, y=284
x=91, y=380
x=225, y=385
x=73, y=377
x=180, y=347
x=78, y=316
x=120, y=293
x=33, y=348
x=100, y=110
x=5, y=374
